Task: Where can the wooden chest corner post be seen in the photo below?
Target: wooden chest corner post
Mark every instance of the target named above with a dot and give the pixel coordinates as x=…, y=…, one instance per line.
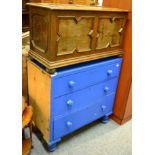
x=39, y=84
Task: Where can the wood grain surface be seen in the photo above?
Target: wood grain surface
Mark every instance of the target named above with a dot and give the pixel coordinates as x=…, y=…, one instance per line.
x=120, y=113
x=39, y=85
x=82, y=2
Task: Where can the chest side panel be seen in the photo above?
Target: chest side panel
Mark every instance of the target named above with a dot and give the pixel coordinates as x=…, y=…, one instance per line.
x=39, y=89
x=39, y=31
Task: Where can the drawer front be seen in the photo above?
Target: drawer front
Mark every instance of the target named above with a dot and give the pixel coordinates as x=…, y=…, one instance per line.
x=81, y=99
x=65, y=125
x=69, y=84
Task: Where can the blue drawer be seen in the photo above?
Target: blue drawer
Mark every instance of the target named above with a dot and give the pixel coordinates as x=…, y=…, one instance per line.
x=75, y=120
x=83, y=98
x=73, y=79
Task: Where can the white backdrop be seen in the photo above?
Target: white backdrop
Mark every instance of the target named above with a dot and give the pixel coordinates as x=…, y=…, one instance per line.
x=100, y=2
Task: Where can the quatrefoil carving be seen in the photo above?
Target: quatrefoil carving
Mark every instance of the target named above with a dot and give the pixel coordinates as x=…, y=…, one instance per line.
x=77, y=19
x=112, y=19
x=91, y=33
x=120, y=30
x=59, y=36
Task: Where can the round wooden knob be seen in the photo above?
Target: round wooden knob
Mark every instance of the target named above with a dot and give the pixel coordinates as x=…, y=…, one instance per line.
x=109, y=72
x=69, y=124
x=70, y=103
x=103, y=107
x=71, y=84
x=106, y=89
x=117, y=65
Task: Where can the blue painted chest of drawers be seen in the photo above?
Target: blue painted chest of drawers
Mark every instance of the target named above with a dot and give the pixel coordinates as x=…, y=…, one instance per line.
x=72, y=97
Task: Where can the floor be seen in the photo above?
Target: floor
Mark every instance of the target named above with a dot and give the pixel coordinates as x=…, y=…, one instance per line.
x=94, y=139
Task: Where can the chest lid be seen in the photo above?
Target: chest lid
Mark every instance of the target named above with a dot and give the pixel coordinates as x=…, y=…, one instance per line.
x=52, y=6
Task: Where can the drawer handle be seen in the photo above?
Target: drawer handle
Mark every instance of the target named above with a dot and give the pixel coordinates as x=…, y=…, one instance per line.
x=71, y=84
x=106, y=89
x=109, y=72
x=70, y=103
x=69, y=124
x=117, y=65
x=103, y=107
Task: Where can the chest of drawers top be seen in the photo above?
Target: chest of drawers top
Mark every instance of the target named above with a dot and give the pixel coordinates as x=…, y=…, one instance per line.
x=62, y=35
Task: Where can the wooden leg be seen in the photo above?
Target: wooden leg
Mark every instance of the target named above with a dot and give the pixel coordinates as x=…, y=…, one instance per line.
x=30, y=125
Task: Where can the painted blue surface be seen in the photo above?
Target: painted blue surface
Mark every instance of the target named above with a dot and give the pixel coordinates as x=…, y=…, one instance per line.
x=83, y=98
x=73, y=79
x=81, y=94
x=75, y=120
x=85, y=66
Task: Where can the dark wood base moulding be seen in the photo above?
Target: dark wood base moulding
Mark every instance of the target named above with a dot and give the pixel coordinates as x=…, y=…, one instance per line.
x=50, y=66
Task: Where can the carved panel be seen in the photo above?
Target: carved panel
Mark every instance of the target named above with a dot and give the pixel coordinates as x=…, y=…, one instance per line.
x=109, y=31
x=39, y=32
x=117, y=31
x=74, y=34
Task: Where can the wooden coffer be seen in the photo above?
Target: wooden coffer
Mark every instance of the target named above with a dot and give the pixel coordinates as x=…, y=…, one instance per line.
x=62, y=35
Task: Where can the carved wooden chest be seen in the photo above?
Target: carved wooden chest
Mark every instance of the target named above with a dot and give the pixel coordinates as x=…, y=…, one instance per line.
x=62, y=35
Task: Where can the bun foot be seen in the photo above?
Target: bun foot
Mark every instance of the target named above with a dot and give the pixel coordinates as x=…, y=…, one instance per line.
x=105, y=119
x=52, y=147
